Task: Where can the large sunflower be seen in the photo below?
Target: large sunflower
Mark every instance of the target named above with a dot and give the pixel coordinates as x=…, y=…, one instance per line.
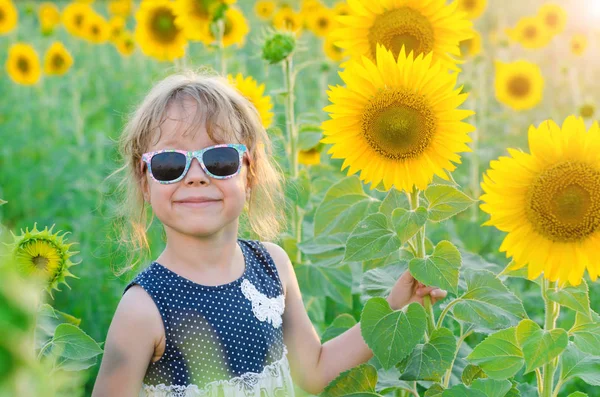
x=159, y=32
x=519, y=84
x=74, y=16
x=421, y=26
x=530, y=32
x=255, y=94
x=473, y=8
x=397, y=120
x=23, y=64
x=549, y=201
x=554, y=18
x=57, y=60
x=8, y=16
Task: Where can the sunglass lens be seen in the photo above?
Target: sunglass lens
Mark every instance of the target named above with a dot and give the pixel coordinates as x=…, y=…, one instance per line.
x=222, y=161
x=168, y=166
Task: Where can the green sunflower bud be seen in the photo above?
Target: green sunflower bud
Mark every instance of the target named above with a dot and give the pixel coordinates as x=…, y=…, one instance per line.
x=278, y=46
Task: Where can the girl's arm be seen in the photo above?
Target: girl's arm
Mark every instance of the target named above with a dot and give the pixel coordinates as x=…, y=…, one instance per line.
x=132, y=337
x=314, y=366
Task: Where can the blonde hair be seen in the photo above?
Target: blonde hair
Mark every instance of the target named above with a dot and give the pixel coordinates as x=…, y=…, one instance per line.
x=227, y=115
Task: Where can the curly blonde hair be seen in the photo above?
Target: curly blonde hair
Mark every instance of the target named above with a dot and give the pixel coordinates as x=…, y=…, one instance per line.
x=228, y=117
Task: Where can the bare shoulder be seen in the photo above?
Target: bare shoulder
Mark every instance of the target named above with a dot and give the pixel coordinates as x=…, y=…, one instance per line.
x=137, y=308
x=282, y=262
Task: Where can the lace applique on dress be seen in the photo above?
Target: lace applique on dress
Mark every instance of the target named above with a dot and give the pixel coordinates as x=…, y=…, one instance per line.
x=264, y=308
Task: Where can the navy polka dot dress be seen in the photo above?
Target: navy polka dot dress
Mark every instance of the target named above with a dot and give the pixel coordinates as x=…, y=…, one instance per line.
x=223, y=340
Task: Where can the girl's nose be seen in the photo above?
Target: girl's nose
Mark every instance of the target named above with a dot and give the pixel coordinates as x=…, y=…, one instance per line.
x=196, y=174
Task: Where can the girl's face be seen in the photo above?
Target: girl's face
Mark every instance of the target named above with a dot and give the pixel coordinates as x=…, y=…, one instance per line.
x=168, y=201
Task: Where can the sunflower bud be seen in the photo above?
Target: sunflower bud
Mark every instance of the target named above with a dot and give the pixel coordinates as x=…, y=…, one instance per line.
x=278, y=46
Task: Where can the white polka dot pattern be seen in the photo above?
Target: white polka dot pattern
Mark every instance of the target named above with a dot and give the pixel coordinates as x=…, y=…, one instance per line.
x=220, y=339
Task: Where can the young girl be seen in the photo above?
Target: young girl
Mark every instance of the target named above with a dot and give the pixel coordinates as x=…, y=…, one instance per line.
x=216, y=315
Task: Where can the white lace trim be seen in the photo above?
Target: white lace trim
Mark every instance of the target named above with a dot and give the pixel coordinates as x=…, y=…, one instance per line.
x=264, y=308
x=274, y=380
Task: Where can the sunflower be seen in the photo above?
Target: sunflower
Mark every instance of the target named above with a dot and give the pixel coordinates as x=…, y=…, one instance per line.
x=23, y=64
x=309, y=157
x=120, y=8
x=549, y=201
x=288, y=19
x=159, y=32
x=236, y=28
x=196, y=17
x=473, y=8
x=57, y=60
x=519, y=84
x=554, y=18
x=8, y=16
x=579, y=44
x=264, y=9
x=419, y=26
x=44, y=255
x=471, y=47
x=341, y=8
x=250, y=89
x=396, y=120
x=125, y=43
x=97, y=29
x=49, y=16
x=116, y=27
x=74, y=16
x=530, y=32
x=332, y=51
x=309, y=6
x=321, y=21
x=587, y=110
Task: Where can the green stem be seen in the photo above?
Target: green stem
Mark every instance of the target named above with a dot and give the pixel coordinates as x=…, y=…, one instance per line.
x=449, y=371
x=292, y=141
x=220, y=34
x=552, y=311
x=445, y=311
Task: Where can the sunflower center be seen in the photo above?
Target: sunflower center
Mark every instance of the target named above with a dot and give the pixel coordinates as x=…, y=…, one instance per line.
x=201, y=8
x=58, y=61
x=469, y=4
x=586, y=111
x=2, y=15
x=163, y=25
x=519, y=86
x=227, y=27
x=23, y=65
x=403, y=26
x=530, y=32
x=564, y=202
x=398, y=124
x=551, y=19
x=78, y=19
x=323, y=23
x=40, y=262
x=95, y=30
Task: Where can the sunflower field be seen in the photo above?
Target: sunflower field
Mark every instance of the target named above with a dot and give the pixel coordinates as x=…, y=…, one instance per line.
x=454, y=139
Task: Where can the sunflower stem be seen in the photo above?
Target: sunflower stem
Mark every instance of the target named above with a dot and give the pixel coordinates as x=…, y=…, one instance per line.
x=481, y=104
x=292, y=141
x=419, y=242
x=552, y=311
x=220, y=34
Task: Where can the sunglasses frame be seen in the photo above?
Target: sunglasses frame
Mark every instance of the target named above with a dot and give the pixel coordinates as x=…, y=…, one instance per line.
x=147, y=160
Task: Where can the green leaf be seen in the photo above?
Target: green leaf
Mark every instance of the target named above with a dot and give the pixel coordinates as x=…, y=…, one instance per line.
x=446, y=201
x=492, y=387
x=577, y=364
x=387, y=381
x=540, y=346
x=298, y=189
x=340, y=324
x=48, y=318
x=577, y=394
x=318, y=280
x=358, y=381
x=72, y=349
x=343, y=206
x=439, y=269
x=391, y=335
x=462, y=391
x=371, y=238
x=575, y=298
x=499, y=355
x=309, y=136
x=2, y=202
x=434, y=391
x=587, y=338
x=488, y=304
x=431, y=360
x=472, y=372
x=394, y=199
x=380, y=281
x=407, y=222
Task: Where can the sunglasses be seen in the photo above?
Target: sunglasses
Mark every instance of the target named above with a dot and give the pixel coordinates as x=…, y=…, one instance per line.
x=219, y=161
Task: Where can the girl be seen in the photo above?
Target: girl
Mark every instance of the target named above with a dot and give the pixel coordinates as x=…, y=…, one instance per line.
x=215, y=315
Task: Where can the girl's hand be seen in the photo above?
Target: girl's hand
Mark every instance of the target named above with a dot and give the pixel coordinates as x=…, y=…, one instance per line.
x=407, y=290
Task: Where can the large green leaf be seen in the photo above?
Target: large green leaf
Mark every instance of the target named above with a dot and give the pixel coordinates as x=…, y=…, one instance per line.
x=436, y=390
x=499, y=355
x=540, y=346
x=390, y=334
x=388, y=381
x=48, y=318
x=319, y=280
x=371, y=238
x=380, y=281
x=470, y=373
x=577, y=364
x=431, y=360
x=575, y=298
x=298, y=189
x=488, y=304
x=439, y=269
x=408, y=222
x=72, y=349
x=359, y=381
x=587, y=338
x=394, y=199
x=343, y=206
x=445, y=201
x=492, y=387
x=462, y=391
